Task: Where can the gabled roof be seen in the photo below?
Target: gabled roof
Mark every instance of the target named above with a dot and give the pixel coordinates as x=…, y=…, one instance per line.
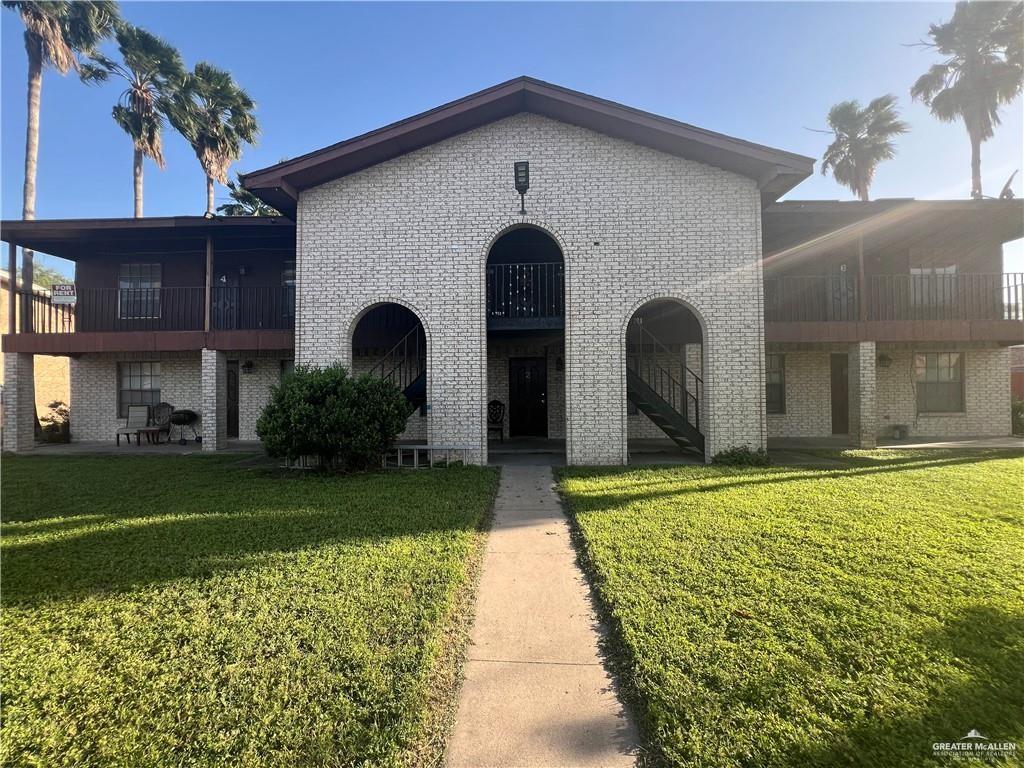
x=775, y=171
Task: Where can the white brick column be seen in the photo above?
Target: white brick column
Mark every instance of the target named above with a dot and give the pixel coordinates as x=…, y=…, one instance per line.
x=863, y=411
x=19, y=402
x=214, y=399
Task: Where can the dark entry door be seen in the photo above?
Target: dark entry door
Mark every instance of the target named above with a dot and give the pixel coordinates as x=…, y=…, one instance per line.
x=232, y=398
x=527, y=397
x=840, y=395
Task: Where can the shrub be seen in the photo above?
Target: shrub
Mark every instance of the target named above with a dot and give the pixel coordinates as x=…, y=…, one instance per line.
x=742, y=456
x=344, y=421
x=1017, y=415
x=56, y=425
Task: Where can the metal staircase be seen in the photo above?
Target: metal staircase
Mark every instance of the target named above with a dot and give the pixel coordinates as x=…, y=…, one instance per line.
x=673, y=405
x=405, y=366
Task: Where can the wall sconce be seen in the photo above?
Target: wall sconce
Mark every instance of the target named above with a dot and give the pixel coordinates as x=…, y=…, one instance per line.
x=247, y=366
x=559, y=364
x=884, y=361
x=522, y=183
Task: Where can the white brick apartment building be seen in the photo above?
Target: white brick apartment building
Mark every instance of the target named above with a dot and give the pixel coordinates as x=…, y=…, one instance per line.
x=646, y=285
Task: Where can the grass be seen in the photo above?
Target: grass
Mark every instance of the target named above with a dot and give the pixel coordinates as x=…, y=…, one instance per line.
x=185, y=611
x=790, y=616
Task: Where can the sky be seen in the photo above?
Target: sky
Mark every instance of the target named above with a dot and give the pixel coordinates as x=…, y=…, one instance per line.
x=323, y=72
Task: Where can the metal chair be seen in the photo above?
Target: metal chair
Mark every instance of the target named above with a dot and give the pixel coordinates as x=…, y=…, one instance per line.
x=162, y=420
x=496, y=419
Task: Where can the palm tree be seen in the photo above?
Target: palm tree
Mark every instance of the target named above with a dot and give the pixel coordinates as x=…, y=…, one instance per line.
x=863, y=139
x=982, y=69
x=216, y=117
x=154, y=73
x=244, y=202
x=56, y=33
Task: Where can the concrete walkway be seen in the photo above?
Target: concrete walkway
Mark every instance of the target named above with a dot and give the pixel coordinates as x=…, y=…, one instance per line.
x=535, y=690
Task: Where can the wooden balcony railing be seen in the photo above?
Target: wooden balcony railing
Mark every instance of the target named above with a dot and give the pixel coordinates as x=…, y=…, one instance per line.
x=800, y=298
x=526, y=291
x=164, y=309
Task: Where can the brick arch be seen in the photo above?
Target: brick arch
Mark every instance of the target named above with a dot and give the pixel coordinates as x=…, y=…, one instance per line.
x=360, y=313
x=707, y=370
x=496, y=233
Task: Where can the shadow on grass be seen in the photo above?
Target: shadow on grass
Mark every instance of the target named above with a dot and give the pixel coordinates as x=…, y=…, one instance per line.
x=640, y=491
x=987, y=643
x=196, y=526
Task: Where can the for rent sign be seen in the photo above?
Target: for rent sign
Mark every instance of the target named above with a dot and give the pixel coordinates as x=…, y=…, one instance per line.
x=62, y=294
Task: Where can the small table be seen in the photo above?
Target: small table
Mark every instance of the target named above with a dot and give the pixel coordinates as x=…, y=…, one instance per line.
x=152, y=434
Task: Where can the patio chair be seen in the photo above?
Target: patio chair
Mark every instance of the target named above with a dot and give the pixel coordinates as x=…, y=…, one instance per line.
x=138, y=419
x=496, y=419
x=162, y=420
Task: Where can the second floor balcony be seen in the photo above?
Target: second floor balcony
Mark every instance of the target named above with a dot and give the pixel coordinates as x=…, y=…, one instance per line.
x=978, y=306
x=526, y=296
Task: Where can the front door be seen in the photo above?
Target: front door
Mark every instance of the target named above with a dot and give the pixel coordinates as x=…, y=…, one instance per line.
x=232, y=398
x=527, y=397
x=840, y=395
x=225, y=301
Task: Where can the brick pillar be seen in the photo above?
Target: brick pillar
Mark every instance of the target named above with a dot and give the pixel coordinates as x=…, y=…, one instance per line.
x=863, y=412
x=19, y=402
x=214, y=389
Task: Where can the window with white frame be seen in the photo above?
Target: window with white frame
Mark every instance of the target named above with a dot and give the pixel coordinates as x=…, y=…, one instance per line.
x=138, y=383
x=138, y=294
x=933, y=286
x=939, y=378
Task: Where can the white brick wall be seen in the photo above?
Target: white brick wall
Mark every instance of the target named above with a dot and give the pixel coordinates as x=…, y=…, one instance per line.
x=809, y=405
x=986, y=394
x=19, y=402
x=634, y=225
x=94, y=390
x=808, y=395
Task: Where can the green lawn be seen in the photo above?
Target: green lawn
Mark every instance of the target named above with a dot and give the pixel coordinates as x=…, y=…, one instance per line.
x=799, y=617
x=189, y=611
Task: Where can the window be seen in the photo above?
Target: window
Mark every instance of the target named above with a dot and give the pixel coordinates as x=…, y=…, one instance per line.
x=939, y=377
x=138, y=295
x=932, y=286
x=287, y=368
x=288, y=284
x=137, y=384
x=775, y=383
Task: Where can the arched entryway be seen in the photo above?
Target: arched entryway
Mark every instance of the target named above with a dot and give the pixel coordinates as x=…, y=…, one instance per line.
x=665, y=379
x=388, y=340
x=525, y=297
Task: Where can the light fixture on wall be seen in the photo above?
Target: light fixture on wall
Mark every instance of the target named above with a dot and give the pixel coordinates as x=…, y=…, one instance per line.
x=522, y=183
x=884, y=361
x=559, y=364
x=247, y=366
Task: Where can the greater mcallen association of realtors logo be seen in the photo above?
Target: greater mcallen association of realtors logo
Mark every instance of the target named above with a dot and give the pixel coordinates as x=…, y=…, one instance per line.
x=976, y=746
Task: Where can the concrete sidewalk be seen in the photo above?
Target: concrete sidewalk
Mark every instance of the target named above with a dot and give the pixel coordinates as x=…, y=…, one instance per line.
x=535, y=690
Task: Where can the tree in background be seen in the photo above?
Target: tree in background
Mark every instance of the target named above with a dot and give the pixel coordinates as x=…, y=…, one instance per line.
x=46, y=277
x=216, y=117
x=154, y=72
x=982, y=69
x=56, y=34
x=244, y=203
x=863, y=139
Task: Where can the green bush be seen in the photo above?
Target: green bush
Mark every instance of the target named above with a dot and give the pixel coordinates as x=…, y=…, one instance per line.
x=1018, y=417
x=56, y=425
x=742, y=456
x=344, y=421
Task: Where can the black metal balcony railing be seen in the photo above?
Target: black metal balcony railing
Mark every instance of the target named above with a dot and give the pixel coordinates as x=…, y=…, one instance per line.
x=165, y=309
x=800, y=298
x=526, y=291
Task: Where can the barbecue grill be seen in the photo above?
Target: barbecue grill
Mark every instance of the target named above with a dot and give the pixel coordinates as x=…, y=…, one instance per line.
x=184, y=418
